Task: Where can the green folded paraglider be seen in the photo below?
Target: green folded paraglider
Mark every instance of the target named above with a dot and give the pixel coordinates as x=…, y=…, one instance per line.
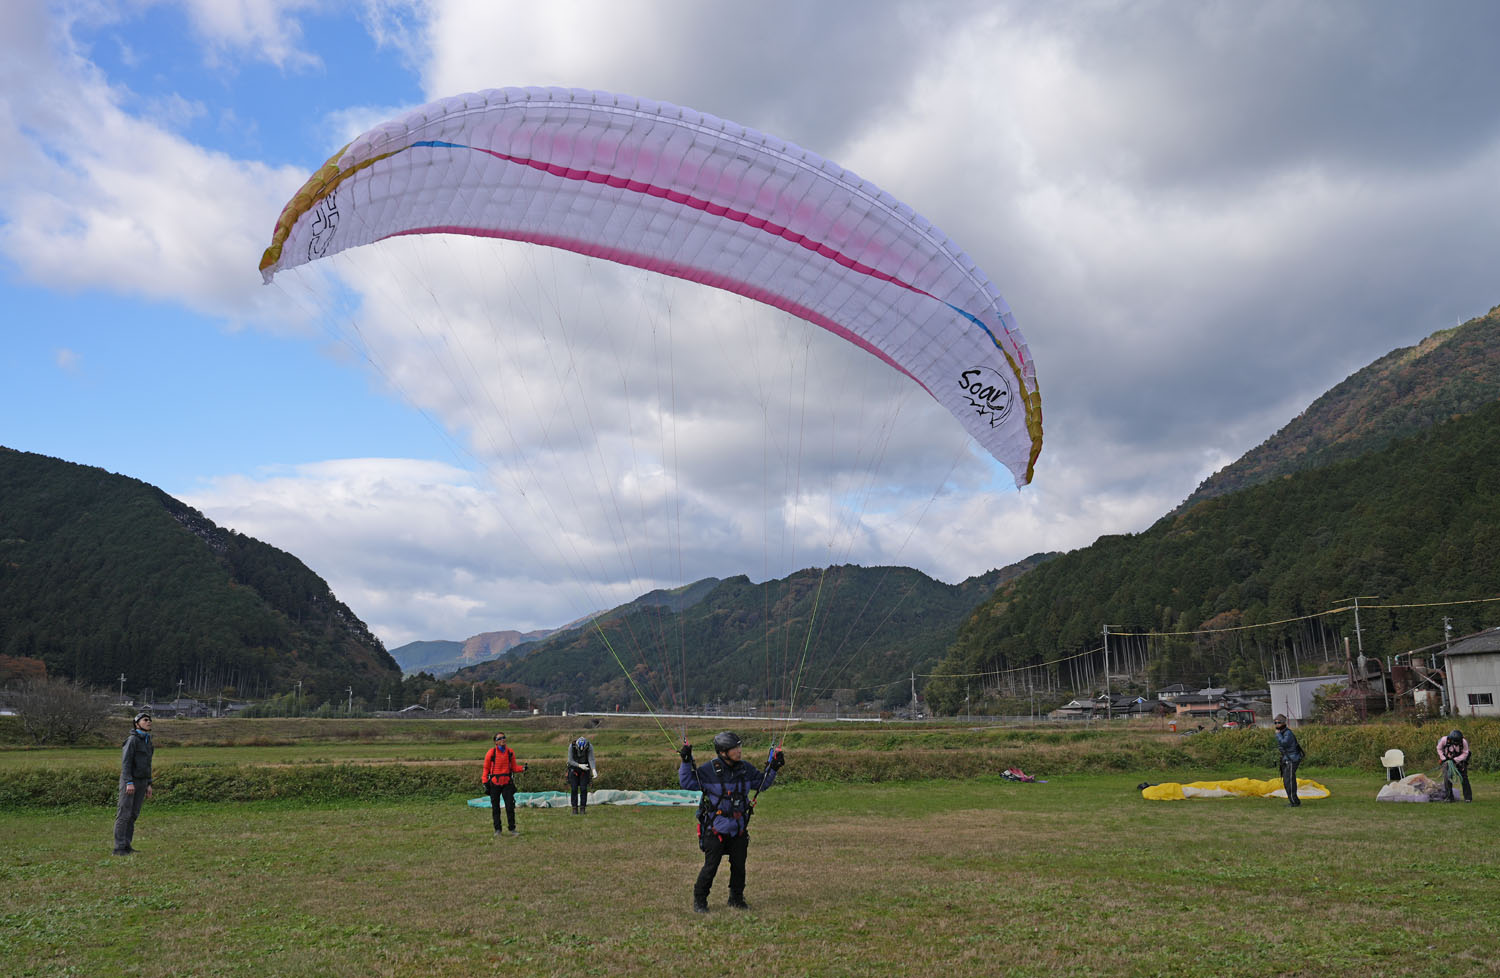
x=1237, y=788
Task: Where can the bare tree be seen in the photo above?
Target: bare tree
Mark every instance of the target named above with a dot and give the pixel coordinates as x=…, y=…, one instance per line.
x=60, y=710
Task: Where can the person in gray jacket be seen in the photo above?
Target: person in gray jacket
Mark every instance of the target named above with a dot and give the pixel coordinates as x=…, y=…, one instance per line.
x=135, y=782
x=581, y=772
x=1291, y=757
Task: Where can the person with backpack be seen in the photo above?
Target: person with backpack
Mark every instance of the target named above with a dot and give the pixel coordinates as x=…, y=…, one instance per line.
x=135, y=782
x=500, y=770
x=581, y=771
x=729, y=787
x=1453, y=752
x=1291, y=757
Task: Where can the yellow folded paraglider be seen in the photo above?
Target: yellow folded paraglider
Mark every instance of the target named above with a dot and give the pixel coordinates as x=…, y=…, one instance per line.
x=1238, y=788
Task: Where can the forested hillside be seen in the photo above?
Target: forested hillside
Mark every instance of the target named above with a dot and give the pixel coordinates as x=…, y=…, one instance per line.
x=436, y=657
x=1451, y=373
x=1416, y=522
x=852, y=630
x=101, y=574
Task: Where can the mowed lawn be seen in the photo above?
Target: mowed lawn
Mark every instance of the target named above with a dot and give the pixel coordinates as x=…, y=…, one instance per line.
x=1078, y=876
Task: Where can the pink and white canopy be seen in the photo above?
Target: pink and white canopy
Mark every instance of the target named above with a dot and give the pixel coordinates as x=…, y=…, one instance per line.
x=678, y=192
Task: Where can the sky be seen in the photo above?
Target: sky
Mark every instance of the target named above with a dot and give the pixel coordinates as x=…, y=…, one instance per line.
x=1202, y=215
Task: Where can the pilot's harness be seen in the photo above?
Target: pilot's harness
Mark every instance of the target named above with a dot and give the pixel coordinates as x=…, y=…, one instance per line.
x=735, y=804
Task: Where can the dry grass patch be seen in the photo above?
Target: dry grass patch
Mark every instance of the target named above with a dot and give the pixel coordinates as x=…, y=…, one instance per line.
x=981, y=877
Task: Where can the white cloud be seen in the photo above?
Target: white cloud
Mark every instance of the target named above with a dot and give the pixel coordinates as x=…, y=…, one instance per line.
x=66, y=360
x=268, y=29
x=636, y=431
x=96, y=198
x=1203, y=218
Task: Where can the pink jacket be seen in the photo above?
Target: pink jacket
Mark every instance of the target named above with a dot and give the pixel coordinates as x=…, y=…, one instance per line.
x=1445, y=751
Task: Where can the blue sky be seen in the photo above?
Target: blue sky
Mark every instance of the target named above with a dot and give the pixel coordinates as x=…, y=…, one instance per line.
x=1203, y=216
x=115, y=381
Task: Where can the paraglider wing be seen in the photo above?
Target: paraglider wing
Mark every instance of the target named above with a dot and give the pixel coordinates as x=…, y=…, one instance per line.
x=685, y=194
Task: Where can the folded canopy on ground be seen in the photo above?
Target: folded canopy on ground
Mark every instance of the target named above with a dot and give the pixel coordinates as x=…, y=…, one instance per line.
x=562, y=799
x=1417, y=787
x=1237, y=788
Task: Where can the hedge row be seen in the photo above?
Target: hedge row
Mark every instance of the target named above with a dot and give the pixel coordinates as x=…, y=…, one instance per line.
x=1362, y=746
x=1186, y=757
x=45, y=787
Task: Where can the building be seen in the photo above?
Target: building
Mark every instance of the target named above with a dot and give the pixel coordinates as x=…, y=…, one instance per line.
x=1074, y=708
x=1473, y=675
x=1294, y=697
x=1198, y=706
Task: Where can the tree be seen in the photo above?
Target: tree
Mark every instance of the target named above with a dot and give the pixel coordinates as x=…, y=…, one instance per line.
x=20, y=669
x=60, y=710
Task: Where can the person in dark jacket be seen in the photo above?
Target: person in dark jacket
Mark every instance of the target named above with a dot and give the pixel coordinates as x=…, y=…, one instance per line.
x=500, y=770
x=135, y=782
x=581, y=772
x=1291, y=756
x=729, y=786
x=1455, y=748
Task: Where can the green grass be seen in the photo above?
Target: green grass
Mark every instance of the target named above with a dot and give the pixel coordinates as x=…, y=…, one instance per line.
x=1075, y=877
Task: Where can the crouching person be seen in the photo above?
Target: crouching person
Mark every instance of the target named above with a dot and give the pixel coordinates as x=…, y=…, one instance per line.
x=1453, y=752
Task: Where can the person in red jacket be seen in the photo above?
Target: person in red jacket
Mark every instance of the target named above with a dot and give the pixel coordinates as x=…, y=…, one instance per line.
x=500, y=770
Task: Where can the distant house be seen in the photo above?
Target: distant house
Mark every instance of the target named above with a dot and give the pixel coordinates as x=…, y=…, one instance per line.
x=1139, y=706
x=182, y=707
x=1473, y=675
x=1198, y=705
x=1172, y=692
x=1075, y=708
x=1119, y=705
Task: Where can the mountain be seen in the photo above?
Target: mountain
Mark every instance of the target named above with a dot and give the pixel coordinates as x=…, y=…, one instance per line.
x=443, y=658
x=102, y=575
x=1451, y=373
x=487, y=645
x=430, y=657
x=1415, y=524
x=848, y=632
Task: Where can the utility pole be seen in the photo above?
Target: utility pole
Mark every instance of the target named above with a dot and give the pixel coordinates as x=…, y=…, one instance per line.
x=1358, y=637
x=1109, y=700
x=913, y=695
x=350, y=691
x=1360, y=645
x=179, y=690
x=298, y=703
x=122, y=684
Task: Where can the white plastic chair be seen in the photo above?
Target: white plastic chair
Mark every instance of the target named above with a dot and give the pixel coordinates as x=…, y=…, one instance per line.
x=1395, y=764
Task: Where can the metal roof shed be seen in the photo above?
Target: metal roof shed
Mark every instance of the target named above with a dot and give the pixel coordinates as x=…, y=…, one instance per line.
x=1294, y=697
x=1473, y=675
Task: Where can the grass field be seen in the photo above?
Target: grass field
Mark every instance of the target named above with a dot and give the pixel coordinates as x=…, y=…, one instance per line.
x=1078, y=876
